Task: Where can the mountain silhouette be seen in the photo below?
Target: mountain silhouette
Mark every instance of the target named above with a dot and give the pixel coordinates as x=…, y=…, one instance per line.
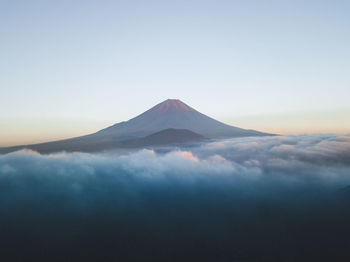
x=166, y=137
x=178, y=122
x=173, y=113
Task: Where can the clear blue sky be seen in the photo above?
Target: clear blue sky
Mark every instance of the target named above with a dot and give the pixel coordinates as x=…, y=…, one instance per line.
x=71, y=67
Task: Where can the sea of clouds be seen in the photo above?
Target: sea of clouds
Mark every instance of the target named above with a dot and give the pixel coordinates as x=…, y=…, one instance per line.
x=256, y=198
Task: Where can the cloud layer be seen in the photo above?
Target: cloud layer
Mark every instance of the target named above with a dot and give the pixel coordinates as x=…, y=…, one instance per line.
x=248, y=198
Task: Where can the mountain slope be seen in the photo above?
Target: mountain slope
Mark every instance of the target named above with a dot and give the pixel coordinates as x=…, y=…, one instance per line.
x=170, y=114
x=164, y=137
x=173, y=113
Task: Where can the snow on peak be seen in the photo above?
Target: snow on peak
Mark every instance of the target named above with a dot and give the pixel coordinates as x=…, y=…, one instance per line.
x=171, y=106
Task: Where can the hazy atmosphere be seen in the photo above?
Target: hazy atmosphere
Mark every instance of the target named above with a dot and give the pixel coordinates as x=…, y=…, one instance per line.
x=243, y=199
x=70, y=68
x=180, y=131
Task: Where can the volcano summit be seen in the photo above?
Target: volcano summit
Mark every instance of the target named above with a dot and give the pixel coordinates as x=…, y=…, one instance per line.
x=170, y=122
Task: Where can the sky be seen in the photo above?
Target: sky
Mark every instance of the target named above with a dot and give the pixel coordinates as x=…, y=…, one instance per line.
x=69, y=68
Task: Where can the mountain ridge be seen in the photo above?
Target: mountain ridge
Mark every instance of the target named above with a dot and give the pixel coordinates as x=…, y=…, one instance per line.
x=171, y=114
x=164, y=137
x=167, y=137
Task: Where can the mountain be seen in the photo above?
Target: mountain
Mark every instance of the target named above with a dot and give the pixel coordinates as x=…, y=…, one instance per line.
x=166, y=137
x=173, y=113
x=170, y=136
x=171, y=121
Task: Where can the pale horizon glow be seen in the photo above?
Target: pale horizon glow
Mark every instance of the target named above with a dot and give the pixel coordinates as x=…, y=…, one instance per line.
x=70, y=68
x=282, y=124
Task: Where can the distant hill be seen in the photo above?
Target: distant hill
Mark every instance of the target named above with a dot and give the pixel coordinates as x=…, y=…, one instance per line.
x=171, y=121
x=166, y=137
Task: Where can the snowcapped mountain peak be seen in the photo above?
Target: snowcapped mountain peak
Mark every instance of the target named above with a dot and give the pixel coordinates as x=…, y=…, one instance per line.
x=171, y=106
